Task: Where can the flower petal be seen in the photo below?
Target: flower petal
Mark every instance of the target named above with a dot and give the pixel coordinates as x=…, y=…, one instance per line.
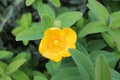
x=64, y=53
x=50, y=32
x=71, y=46
x=42, y=47
x=53, y=31
x=70, y=35
x=53, y=56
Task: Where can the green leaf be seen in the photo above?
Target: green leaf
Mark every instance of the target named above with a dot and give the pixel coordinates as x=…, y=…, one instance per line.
x=25, y=42
x=92, y=27
x=69, y=18
x=115, y=36
x=3, y=65
x=17, y=2
x=52, y=67
x=7, y=78
x=108, y=55
x=26, y=20
x=27, y=70
x=46, y=22
x=86, y=73
x=96, y=45
x=1, y=71
x=80, y=23
x=12, y=67
x=8, y=13
x=115, y=20
x=32, y=33
x=39, y=74
x=109, y=40
x=19, y=75
x=91, y=16
x=39, y=78
x=66, y=63
x=44, y=9
x=5, y=54
x=67, y=74
x=102, y=71
x=62, y=10
x=17, y=30
x=83, y=42
x=115, y=75
x=81, y=48
x=117, y=55
x=56, y=3
x=29, y=2
x=99, y=11
x=23, y=55
x=24, y=23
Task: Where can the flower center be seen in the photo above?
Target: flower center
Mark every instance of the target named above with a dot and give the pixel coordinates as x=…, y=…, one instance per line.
x=56, y=43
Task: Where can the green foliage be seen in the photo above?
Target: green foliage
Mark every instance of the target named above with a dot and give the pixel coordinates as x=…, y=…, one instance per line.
x=22, y=55
x=3, y=67
x=50, y=22
x=56, y=3
x=106, y=20
x=109, y=56
x=67, y=74
x=99, y=11
x=92, y=27
x=108, y=39
x=6, y=16
x=69, y=18
x=82, y=49
x=24, y=23
x=112, y=5
x=18, y=75
x=114, y=20
x=15, y=65
x=102, y=71
x=52, y=67
x=86, y=73
x=34, y=32
x=29, y=2
x=97, y=52
x=95, y=45
x=115, y=74
x=39, y=76
x=114, y=35
x=5, y=54
x=44, y=9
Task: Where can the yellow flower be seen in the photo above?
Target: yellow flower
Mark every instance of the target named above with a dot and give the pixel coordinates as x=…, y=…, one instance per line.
x=56, y=42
